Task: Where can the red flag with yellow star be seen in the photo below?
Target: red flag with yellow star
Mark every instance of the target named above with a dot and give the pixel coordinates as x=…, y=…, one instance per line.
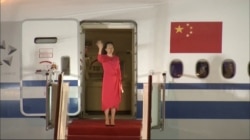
x=196, y=37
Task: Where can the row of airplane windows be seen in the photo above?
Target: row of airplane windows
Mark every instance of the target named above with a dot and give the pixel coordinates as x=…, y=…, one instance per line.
x=228, y=69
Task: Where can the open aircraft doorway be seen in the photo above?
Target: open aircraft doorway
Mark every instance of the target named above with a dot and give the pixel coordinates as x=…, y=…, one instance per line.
x=123, y=35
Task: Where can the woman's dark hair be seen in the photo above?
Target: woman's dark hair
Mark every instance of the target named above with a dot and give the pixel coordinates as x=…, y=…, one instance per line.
x=105, y=46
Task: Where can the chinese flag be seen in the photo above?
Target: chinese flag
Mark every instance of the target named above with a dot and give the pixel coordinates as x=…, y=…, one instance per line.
x=196, y=37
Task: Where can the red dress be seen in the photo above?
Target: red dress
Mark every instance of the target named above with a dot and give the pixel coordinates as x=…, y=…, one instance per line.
x=111, y=85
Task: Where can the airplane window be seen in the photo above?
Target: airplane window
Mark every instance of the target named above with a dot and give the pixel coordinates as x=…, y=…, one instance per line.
x=202, y=69
x=176, y=69
x=228, y=69
x=45, y=40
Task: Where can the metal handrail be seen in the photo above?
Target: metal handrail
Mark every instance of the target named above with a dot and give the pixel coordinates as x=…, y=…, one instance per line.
x=163, y=110
x=149, y=107
x=59, y=90
x=61, y=117
x=48, y=115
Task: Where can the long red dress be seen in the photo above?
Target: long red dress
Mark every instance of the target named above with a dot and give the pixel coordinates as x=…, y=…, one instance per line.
x=111, y=85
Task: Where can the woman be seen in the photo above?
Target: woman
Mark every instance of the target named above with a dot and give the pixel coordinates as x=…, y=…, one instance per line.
x=112, y=85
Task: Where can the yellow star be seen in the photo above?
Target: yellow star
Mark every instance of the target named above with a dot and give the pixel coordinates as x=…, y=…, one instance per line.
x=179, y=29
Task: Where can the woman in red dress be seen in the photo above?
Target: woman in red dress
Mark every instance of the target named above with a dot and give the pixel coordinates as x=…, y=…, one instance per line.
x=112, y=85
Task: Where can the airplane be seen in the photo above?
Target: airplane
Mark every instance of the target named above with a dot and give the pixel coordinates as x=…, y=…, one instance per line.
x=207, y=79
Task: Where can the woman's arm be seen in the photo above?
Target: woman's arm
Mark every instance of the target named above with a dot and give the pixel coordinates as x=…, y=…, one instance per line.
x=100, y=46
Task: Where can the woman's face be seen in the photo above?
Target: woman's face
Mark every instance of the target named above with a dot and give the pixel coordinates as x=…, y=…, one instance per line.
x=109, y=49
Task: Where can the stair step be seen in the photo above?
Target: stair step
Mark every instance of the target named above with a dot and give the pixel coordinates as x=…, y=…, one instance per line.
x=102, y=137
x=104, y=131
x=96, y=130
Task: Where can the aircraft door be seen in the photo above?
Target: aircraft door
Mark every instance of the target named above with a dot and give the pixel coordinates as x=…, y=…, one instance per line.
x=48, y=48
x=123, y=35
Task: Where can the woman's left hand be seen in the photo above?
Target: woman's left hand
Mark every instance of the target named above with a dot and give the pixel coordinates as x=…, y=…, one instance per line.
x=122, y=89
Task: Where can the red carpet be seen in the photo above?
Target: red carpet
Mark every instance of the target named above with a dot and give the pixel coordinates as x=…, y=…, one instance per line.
x=96, y=130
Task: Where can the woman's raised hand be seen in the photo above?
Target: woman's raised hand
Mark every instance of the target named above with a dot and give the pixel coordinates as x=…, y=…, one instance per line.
x=99, y=44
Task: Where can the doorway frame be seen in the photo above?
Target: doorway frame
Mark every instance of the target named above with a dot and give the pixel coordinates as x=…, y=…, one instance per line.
x=113, y=24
